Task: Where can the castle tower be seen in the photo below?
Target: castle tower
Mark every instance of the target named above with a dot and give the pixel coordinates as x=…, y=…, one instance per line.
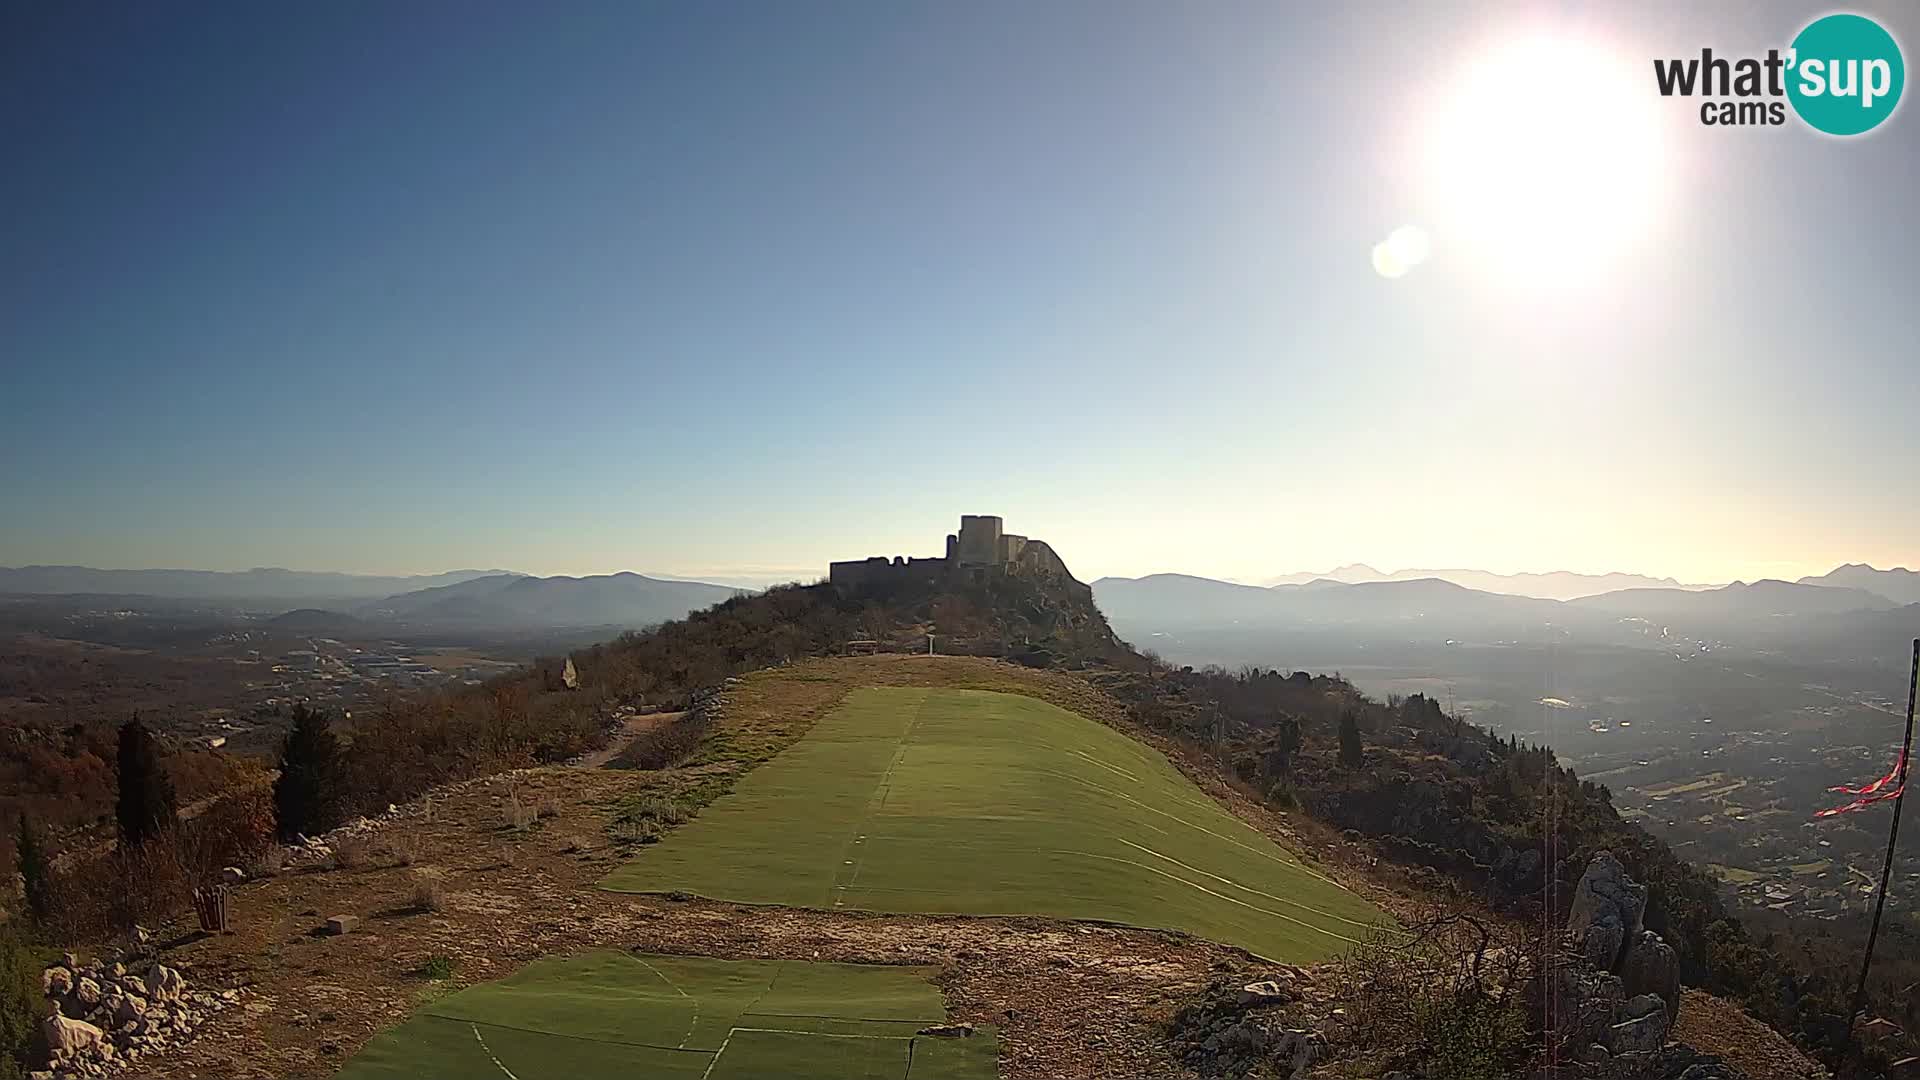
x=979, y=540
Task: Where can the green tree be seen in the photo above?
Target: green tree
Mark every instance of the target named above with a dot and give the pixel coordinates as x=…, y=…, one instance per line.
x=20, y=1004
x=147, y=806
x=36, y=873
x=1351, y=752
x=310, y=795
x=1278, y=760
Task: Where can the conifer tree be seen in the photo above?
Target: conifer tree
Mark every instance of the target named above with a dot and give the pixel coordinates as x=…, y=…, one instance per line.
x=1351, y=752
x=310, y=795
x=147, y=806
x=36, y=873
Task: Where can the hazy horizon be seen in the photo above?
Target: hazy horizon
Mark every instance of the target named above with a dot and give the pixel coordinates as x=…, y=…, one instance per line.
x=731, y=292
x=759, y=577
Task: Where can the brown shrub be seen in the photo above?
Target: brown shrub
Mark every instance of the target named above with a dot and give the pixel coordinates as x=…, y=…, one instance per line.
x=352, y=852
x=666, y=745
x=429, y=889
x=405, y=851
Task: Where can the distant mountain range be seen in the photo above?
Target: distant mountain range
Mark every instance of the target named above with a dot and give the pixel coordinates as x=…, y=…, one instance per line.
x=1557, y=585
x=325, y=602
x=1167, y=602
x=626, y=599
x=262, y=584
x=1900, y=585
x=1761, y=598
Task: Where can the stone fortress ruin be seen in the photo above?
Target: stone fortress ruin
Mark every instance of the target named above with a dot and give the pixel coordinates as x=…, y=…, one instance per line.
x=979, y=553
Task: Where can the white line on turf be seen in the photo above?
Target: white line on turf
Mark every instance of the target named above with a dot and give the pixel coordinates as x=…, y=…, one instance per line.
x=489, y=1052
x=691, y=1024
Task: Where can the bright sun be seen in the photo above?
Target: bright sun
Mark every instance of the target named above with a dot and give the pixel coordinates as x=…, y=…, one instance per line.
x=1546, y=160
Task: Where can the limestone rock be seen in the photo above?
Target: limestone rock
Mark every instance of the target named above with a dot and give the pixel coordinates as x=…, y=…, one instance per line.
x=56, y=981
x=1642, y=1034
x=65, y=1035
x=1608, y=909
x=1650, y=967
x=948, y=1031
x=1642, y=1004
x=1268, y=992
x=130, y=1008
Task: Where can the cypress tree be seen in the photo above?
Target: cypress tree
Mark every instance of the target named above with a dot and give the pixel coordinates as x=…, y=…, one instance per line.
x=1351, y=752
x=309, y=796
x=21, y=1005
x=36, y=873
x=147, y=806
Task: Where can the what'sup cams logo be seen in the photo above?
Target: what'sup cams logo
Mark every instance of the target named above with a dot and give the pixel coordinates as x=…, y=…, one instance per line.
x=1843, y=75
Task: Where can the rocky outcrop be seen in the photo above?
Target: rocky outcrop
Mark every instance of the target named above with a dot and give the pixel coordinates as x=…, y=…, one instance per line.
x=1651, y=968
x=106, y=1017
x=1616, y=989
x=1608, y=907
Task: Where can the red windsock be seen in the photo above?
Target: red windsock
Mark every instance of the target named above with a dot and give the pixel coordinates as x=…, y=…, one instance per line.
x=1863, y=803
x=1899, y=767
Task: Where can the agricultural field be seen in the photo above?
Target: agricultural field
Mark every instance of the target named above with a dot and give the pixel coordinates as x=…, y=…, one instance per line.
x=970, y=802
x=618, y=1014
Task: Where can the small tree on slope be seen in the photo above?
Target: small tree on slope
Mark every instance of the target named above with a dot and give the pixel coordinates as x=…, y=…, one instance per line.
x=309, y=796
x=147, y=806
x=1351, y=752
x=36, y=874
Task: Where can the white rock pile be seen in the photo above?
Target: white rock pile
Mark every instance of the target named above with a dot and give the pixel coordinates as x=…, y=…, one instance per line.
x=105, y=1016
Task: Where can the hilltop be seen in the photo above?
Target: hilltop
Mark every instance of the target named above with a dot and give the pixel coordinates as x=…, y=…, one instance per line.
x=1210, y=825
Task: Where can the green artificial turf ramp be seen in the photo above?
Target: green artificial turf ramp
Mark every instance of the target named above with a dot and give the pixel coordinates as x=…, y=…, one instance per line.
x=979, y=803
x=614, y=1014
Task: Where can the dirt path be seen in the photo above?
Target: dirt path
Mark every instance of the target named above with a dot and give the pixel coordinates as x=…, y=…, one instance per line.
x=635, y=726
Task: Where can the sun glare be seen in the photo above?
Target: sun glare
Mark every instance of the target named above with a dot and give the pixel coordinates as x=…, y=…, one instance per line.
x=1545, y=156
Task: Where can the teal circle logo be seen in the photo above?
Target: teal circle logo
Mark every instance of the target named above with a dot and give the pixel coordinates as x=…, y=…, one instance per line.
x=1846, y=74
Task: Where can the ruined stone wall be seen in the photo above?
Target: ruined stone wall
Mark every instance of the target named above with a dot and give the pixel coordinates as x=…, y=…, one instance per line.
x=882, y=572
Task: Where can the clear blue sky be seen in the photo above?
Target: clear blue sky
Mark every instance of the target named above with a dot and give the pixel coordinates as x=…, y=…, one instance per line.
x=730, y=290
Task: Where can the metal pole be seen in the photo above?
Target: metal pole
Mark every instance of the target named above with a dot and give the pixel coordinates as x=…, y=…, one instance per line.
x=1893, y=837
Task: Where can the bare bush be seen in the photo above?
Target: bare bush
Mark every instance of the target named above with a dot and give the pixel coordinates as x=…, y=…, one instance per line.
x=268, y=863
x=517, y=815
x=352, y=852
x=1448, y=995
x=429, y=889
x=404, y=851
x=666, y=745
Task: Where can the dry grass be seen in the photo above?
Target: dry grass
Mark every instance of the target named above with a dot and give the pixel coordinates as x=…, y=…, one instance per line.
x=404, y=851
x=268, y=863
x=515, y=814
x=429, y=889
x=352, y=852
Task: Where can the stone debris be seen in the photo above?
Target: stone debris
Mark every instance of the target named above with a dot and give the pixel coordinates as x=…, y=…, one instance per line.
x=948, y=1031
x=106, y=1017
x=342, y=924
x=1238, y=1031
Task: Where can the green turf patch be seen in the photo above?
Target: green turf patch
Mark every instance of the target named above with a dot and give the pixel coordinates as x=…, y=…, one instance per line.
x=980, y=803
x=614, y=1014
x=754, y=1054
